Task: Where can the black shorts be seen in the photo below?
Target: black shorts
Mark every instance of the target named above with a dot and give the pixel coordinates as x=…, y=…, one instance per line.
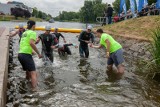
x=27, y=62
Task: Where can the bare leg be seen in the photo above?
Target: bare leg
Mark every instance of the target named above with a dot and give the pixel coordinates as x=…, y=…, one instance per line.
x=121, y=69
x=34, y=80
x=28, y=77
x=109, y=67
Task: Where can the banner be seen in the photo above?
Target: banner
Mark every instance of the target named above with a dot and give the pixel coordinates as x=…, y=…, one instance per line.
x=140, y=4
x=132, y=6
x=123, y=6
x=145, y=3
x=158, y=4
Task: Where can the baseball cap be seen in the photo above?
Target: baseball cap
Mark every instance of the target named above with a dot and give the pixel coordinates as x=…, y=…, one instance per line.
x=21, y=25
x=48, y=27
x=30, y=23
x=89, y=27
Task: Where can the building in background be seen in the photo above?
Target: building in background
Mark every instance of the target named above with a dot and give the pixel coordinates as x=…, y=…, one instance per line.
x=6, y=8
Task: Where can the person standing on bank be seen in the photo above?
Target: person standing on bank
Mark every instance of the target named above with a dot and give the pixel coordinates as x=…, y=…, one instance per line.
x=49, y=42
x=20, y=31
x=109, y=13
x=114, y=51
x=84, y=40
x=58, y=35
x=27, y=45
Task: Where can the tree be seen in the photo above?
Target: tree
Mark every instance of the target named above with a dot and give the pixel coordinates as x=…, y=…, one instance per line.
x=91, y=10
x=39, y=14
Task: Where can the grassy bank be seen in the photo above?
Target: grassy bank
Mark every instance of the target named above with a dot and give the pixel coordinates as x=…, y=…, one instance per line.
x=138, y=28
x=12, y=18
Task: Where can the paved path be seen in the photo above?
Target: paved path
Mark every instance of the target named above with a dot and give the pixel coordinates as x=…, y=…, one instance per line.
x=4, y=47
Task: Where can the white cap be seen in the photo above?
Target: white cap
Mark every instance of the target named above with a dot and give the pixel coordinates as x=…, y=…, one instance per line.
x=48, y=28
x=60, y=46
x=21, y=25
x=89, y=27
x=55, y=28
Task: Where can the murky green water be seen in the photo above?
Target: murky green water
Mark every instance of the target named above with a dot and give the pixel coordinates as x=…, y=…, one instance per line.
x=75, y=82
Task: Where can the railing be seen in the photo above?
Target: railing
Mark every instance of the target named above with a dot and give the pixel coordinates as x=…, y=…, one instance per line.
x=101, y=20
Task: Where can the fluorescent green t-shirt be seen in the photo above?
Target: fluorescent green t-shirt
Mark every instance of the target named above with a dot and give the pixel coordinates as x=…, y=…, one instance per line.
x=114, y=45
x=25, y=46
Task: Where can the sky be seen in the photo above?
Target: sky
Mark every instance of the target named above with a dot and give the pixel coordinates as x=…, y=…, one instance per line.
x=53, y=7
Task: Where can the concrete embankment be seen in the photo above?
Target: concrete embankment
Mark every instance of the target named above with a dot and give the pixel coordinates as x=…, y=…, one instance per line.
x=4, y=58
x=135, y=48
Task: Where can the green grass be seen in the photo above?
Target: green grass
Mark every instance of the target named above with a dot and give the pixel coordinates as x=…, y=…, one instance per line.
x=12, y=18
x=151, y=68
x=135, y=28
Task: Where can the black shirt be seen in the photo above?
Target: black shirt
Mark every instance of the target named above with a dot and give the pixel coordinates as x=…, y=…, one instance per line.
x=84, y=36
x=48, y=40
x=58, y=35
x=109, y=11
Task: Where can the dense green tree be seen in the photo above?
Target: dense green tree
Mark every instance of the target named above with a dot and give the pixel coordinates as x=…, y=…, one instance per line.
x=91, y=10
x=39, y=14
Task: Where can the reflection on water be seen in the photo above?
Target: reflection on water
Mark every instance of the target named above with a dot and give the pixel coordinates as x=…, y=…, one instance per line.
x=75, y=82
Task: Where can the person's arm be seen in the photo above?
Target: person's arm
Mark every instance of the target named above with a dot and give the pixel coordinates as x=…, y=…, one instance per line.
x=63, y=37
x=38, y=40
x=97, y=47
x=32, y=43
x=92, y=38
x=14, y=34
x=54, y=42
x=80, y=37
x=108, y=47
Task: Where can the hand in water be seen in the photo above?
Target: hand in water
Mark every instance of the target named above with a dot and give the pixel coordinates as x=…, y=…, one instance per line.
x=40, y=56
x=76, y=46
x=91, y=45
x=65, y=41
x=53, y=47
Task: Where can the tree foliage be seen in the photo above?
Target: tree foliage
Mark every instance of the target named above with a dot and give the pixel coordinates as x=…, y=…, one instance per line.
x=88, y=13
x=39, y=14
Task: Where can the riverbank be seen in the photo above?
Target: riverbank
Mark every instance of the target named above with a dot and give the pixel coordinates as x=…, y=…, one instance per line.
x=19, y=19
x=137, y=28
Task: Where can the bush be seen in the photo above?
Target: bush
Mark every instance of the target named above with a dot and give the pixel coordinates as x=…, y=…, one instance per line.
x=151, y=68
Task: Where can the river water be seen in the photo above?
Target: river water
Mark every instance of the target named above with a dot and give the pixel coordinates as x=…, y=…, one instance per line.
x=75, y=82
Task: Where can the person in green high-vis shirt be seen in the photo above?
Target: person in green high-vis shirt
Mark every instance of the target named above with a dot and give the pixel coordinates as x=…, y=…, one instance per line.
x=114, y=51
x=27, y=45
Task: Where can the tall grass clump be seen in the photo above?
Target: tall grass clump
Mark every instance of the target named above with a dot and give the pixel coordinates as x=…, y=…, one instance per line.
x=154, y=65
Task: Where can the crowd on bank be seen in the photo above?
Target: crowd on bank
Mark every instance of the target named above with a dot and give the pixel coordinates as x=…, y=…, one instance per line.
x=146, y=11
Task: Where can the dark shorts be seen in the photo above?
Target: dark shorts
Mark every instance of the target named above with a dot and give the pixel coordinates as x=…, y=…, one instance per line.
x=116, y=58
x=47, y=56
x=27, y=62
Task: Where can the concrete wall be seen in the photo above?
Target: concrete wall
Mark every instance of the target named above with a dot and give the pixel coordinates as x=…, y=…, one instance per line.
x=135, y=48
x=4, y=56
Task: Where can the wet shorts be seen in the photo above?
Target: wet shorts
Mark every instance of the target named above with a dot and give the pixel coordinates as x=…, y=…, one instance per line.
x=116, y=58
x=27, y=62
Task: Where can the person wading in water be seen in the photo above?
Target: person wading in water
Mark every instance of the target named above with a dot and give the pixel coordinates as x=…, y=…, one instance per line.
x=20, y=31
x=114, y=51
x=27, y=45
x=49, y=42
x=58, y=35
x=84, y=40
